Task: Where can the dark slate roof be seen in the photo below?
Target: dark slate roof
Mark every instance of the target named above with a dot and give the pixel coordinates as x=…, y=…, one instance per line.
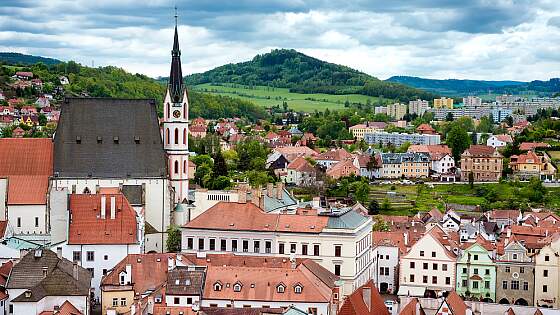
x=133, y=194
x=176, y=75
x=28, y=274
x=398, y=158
x=56, y=283
x=108, y=138
x=184, y=281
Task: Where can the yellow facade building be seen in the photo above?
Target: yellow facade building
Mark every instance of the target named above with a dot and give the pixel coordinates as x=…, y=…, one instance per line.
x=443, y=102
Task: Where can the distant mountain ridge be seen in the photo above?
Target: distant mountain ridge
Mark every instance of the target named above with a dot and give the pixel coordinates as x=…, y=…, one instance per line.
x=455, y=87
x=23, y=59
x=288, y=68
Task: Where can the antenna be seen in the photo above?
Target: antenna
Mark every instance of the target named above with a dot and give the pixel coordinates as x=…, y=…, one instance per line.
x=176, y=15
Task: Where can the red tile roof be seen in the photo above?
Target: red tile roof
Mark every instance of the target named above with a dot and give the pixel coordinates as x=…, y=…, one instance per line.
x=290, y=153
x=334, y=155
x=87, y=227
x=395, y=239
x=248, y=217
x=456, y=304
x=300, y=164
x=27, y=163
x=504, y=138
x=526, y=146
x=68, y=309
x=5, y=270
x=480, y=150
x=343, y=168
x=412, y=308
x=425, y=129
x=365, y=300
x=3, y=225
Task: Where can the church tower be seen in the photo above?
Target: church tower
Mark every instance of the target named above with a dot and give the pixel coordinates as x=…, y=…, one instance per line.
x=176, y=125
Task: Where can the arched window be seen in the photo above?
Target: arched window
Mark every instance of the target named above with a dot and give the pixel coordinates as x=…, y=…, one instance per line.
x=176, y=168
x=185, y=166
x=167, y=135
x=176, y=136
x=237, y=287
x=185, y=110
x=87, y=191
x=168, y=110
x=185, y=136
x=218, y=286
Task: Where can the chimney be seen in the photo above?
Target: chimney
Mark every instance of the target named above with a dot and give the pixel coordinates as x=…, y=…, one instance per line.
x=279, y=190
x=366, y=295
x=508, y=232
x=113, y=206
x=75, y=270
x=418, y=308
x=59, y=252
x=103, y=205
x=269, y=189
x=170, y=263
x=405, y=239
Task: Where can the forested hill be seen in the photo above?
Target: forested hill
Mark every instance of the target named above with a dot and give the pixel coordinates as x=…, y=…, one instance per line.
x=115, y=82
x=462, y=87
x=22, y=59
x=303, y=74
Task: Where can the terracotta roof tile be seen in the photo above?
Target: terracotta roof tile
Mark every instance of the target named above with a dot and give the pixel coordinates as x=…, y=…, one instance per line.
x=526, y=146
x=480, y=150
x=68, y=309
x=412, y=308
x=343, y=168
x=300, y=164
x=456, y=304
x=334, y=155
x=87, y=227
x=355, y=303
x=504, y=138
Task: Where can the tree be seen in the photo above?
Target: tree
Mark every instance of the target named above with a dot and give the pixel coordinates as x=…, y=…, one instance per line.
x=458, y=140
x=386, y=205
x=449, y=116
x=173, y=243
x=220, y=167
x=42, y=119
x=373, y=207
x=380, y=225
x=362, y=192
x=471, y=180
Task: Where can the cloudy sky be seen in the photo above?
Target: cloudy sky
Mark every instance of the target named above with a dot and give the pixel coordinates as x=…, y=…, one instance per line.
x=477, y=39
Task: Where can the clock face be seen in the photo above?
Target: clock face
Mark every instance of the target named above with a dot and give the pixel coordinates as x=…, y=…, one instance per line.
x=176, y=114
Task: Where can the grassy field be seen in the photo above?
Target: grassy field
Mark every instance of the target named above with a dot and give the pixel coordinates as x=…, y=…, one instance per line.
x=408, y=200
x=554, y=154
x=269, y=96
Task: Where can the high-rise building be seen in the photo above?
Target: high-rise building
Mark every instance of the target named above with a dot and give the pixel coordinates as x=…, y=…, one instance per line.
x=397, y=110
x=443, y=102
x=472, y=101
x=418, y=107
x=176, y=125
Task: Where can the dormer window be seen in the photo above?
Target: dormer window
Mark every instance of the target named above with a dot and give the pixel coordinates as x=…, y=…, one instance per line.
x=237, y=287
x=298, y=288
x=281, y=288
x=217, y=286
x=122, y=278
x=116, y=140
x=78, y=139
x=99, y=139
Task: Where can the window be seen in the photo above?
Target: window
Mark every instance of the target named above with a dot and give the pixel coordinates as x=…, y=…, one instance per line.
x=447, y=280
x=233, y=245
x=281, y=248
x=36, y=221
x=256, y=246
x=546, y=258
x=123, y=301
x=104, y=271
x=245, y=246
x=237, y=287
x=217, y=286
x=464, y=270
x=176, y=136
x=316, y=250
x=444, y=267
x=487, y=284
x=425, y=266
x=190, y=243
x=433, y=254
x=434, y=279
x=521, y=269
x=475, y=271
x=475, y=285
x=212, y=244
x=514, y=256
x=464, y=283
x=304, y=249
x=435, y=266
x=421, y=253
x=176, y=300
x=475, y=257
x=268, y=247
x=298, y=288
x=200, y=244
x=487, y=271
x=545, y=273
x=412, y=264
x=90, y=256
x=280, y=288
x=293, y=248
x=425, y=279
x=504, y=284
x=525, y=286
x=508, y=269
x=337, y=250
x=337, y=270
x=91, y=271
x=76, y=256
x=223, y=245
x=312, y=310
x=411, y=278
x=545, y=288
x=176, y=167
x=18, y=222
x=514, y=284
x=105, y=257
x=115, y=302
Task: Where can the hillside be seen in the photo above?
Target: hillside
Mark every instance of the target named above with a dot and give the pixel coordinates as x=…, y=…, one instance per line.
x=454, y=87
x=115, y=82
x=300, y=73
x=22, y=59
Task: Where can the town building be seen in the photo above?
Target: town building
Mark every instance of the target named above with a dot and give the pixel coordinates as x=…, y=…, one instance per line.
x=94, y=148
x=499, y=141
x=442, y=162
x=343, y=169
x=404, y=165
x=515, y=275
x=330, y=158
x=418, y=107
x=300, y=172
x=396, y=110
x=443, y=102
x=340, y=240
x=472, y=101
x=102, y=231
x=483, y=162
x=528, y=165
x=398, y=139
x=476, y=272
x=428, y=269
x=358, y=131
x=425, y=129
x=41, y=281
x=547, y=273
x=386, y=252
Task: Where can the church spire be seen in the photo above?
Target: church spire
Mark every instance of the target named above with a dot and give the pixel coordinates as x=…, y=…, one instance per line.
x=176, y=75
